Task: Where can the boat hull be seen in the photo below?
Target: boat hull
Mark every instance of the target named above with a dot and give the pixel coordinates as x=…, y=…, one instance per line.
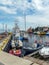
x=47, y=34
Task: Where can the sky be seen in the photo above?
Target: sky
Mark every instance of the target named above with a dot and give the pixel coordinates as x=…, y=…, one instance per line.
x=36, y=12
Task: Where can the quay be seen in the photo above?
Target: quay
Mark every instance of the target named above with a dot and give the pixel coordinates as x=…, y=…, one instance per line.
x=8, y=59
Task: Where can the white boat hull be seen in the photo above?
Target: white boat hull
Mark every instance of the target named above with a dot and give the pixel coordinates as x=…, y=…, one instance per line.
x=44, y=52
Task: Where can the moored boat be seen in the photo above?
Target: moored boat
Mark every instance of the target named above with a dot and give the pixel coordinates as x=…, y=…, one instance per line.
x=47, y=33
x=44, y=52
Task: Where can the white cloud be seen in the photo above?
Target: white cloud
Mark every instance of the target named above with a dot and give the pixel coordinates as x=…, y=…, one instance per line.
x=39, y=20
x=24, y=4
x=8, y=10
x=6, y=2
x=0, y=25
x=39, y=5
x=35, y=20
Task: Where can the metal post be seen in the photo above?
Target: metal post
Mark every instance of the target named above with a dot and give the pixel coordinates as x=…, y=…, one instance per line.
x=25, y=20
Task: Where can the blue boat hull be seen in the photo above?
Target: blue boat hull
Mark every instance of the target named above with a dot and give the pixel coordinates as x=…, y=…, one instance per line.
x=47, y=34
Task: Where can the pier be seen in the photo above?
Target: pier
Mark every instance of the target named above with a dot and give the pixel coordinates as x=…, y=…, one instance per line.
x=8, y=59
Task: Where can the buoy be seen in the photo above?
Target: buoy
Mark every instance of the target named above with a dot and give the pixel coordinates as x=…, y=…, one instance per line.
x=11, y=51
x=17, y=52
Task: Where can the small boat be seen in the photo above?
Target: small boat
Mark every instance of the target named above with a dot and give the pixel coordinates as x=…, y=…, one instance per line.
x=44, y=52
x=41, y=33
x=47, y=33
x=35, y=32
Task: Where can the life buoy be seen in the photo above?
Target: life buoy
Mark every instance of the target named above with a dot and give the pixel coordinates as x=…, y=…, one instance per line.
x=17, y=52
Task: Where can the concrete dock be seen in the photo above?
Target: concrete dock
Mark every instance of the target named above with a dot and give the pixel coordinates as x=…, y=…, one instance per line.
x=8, y=59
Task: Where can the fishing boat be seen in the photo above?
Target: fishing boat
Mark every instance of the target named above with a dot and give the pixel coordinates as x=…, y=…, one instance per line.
x=31, y=46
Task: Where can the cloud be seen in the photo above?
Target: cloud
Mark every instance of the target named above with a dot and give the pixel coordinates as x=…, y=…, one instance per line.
x=6, y=2
x=7, y=10
x=38, y=20
x=22, y=5
x=34, y=21
x=36, y=11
